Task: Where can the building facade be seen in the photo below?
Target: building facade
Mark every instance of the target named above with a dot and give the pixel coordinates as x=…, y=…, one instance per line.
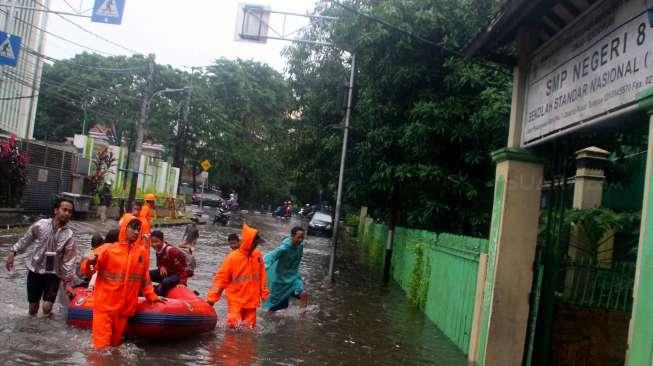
x=19, y=86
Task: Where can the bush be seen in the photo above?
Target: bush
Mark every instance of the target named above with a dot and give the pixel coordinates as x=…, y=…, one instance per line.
x=13, y=172
x=352, y=220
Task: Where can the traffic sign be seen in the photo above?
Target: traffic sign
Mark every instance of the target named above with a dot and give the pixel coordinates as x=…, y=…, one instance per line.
x=204, y=176
x=108, y=11
x=206, y=165
x=9, y=49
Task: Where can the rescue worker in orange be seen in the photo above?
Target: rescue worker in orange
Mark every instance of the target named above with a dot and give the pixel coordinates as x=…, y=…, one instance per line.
x=147, y=213
x=122, y=270
x=242, y=277
x=127, y=217
x=144, y=236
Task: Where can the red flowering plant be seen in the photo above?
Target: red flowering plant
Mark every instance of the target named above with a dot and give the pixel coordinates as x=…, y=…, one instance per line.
x=13, y=172
x=102, y=162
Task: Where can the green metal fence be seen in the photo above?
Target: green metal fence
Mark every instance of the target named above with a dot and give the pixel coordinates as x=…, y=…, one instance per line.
x=592, y=285
x=437, y=271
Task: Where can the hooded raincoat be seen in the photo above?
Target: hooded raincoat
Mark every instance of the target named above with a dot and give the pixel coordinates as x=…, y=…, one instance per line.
x=242, y=276
x=146, y=218
x=282, y=268
x=142, y=239
x=122, y=270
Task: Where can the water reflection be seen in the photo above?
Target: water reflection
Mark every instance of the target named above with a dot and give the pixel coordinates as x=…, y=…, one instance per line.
x=354, y=322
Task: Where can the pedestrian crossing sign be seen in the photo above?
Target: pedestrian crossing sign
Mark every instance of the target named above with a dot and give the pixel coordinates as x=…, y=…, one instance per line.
x=9, y=49
x=206, y=165
x=108, y=11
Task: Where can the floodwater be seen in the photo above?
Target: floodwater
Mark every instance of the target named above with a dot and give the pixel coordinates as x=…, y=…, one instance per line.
x=352, y=322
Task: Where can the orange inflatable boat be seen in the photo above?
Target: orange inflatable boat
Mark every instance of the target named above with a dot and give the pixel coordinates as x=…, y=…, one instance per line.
x=184, y=314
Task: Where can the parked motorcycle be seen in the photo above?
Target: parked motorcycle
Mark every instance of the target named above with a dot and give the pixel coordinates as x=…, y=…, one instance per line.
x=306, y=212
x=222, y=216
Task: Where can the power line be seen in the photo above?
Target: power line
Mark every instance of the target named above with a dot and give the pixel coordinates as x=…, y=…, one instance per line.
x=20, y=97
x=31, y=78
x=58, y=36
x=71, y=101
x=90, y=67
x=90, y=32
x=67, y=3
x=81, y=87
x=443, y=49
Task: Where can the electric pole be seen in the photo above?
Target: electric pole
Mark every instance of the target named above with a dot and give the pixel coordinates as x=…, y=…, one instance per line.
x=343, y=157
x=180, y=146
x=140, y=127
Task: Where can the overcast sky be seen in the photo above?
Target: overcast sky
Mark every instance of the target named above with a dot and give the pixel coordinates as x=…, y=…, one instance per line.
x=180, y=33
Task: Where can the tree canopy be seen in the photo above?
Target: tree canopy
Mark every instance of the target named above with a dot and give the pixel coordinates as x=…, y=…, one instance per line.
x=235, y=118
x=424, y=123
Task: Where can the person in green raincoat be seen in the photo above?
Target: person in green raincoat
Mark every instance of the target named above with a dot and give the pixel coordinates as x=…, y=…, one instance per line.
x=282, y=270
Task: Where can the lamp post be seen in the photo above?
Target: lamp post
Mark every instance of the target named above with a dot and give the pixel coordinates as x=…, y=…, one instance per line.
x=140, y=127
x=343, y=156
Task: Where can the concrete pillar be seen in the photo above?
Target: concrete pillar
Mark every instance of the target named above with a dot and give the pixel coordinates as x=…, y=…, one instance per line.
x=588, y=193
x=590, y=175
x=640, y=332
x=513, y=237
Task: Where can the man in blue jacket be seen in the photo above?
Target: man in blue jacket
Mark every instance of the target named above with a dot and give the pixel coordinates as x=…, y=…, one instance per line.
x=282, y=269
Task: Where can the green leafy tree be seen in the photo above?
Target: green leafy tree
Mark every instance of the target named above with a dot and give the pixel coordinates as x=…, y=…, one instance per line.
x=424, y=123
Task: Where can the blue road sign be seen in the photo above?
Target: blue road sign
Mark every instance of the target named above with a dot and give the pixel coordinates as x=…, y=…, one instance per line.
x=9, y=49
x=108, y=11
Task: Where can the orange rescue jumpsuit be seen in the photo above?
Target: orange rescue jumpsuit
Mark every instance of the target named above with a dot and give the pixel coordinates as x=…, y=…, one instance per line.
x=242, y=276
x=146, y=218
x=122, y=272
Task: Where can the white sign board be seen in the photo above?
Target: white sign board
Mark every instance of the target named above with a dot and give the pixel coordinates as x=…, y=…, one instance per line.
x=252, y=23
x=592, y=69
x=204, y=176
x=43, y=175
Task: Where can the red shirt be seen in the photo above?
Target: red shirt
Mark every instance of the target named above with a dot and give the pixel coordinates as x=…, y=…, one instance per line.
x=173, y=260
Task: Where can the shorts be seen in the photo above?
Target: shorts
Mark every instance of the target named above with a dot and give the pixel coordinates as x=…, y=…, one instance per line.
x=283, y=303
x=42, y=286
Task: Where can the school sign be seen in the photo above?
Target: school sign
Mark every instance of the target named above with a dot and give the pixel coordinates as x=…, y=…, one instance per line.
x=590, y=72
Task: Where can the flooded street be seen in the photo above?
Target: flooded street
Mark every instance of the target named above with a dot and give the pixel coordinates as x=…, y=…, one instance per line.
x=355, y=321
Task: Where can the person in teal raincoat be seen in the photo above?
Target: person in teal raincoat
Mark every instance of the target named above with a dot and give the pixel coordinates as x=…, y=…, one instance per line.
x=282, y=270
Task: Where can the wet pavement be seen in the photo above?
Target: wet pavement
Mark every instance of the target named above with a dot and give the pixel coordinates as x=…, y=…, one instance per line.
x=354, y=322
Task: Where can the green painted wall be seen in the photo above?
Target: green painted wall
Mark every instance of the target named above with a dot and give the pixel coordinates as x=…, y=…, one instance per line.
x=437, y=271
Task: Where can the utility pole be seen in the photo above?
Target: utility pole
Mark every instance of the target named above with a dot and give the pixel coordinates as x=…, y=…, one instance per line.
x=140, y=127
x=180, y=146
x=343, y=156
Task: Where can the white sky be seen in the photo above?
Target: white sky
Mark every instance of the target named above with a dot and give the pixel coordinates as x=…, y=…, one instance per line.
x=180, y=32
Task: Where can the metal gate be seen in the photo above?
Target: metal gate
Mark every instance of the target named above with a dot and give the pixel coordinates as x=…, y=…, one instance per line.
x=573, y=299
x=50, y=171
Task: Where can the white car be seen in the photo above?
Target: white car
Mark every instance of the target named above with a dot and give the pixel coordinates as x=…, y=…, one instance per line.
x=320, y=223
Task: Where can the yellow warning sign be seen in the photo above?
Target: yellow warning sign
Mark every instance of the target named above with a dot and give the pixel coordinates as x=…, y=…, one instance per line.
x=206, y=165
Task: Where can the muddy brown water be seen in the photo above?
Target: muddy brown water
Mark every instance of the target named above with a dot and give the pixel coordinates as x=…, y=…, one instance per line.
x=352, y=322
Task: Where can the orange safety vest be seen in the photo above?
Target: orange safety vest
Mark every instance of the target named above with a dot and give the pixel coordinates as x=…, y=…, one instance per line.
x=242, y=274
x=122, y=272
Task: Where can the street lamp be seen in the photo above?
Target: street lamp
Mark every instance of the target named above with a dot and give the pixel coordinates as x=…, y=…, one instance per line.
x=138, y=150
x=343, y=156
x=255, y=22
